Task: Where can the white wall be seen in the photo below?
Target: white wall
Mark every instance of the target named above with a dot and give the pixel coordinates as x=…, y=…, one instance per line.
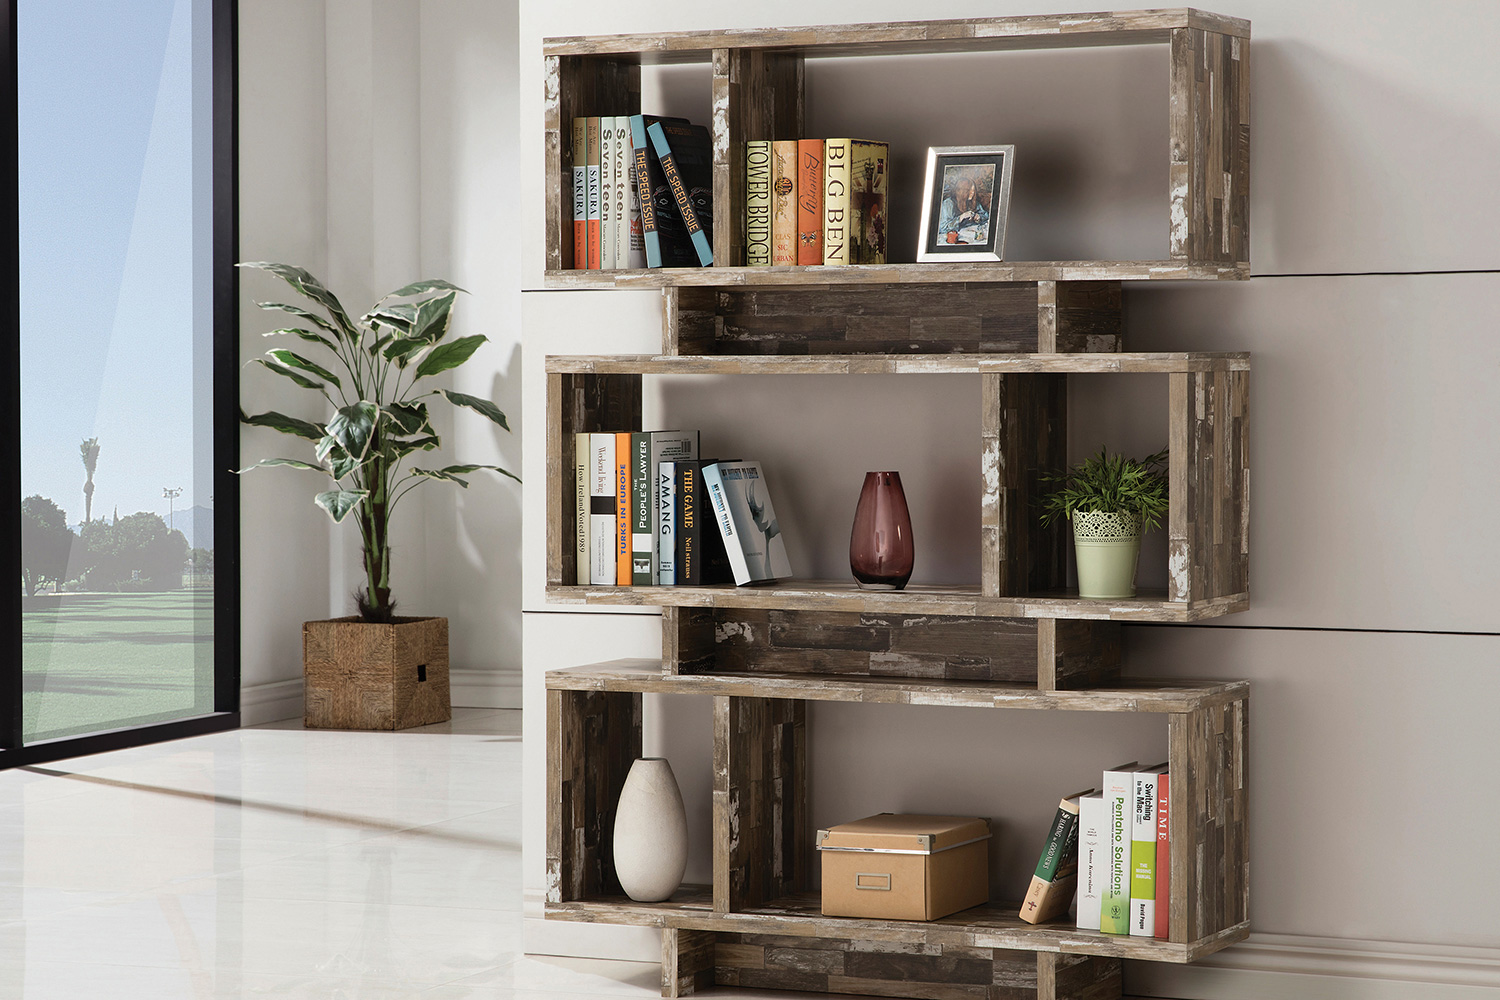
x=1373, y=639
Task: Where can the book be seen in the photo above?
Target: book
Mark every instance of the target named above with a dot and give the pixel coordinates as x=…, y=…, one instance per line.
x=582, y=449
x=1090, y=860
x=810, y=201
x=1056, y=874
x=1143, y=853
x=641, y=535
x=607, y=192
x=1114, y=900
x=580, y=193
x=663, y=236
x=741, y=502
x=1163, y=859
x=592, y=138
x=619, y=150
x=687, y=163
x=835, y=201
x=689, y=554
x=634, y=253
x=666, y=446
x=602, y=509
x=666, y=529
x=784, y=202
x=757, y=203
x=622, y=509
x=868, y=182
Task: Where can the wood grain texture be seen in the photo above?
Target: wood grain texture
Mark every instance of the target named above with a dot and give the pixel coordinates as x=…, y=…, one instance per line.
x=687, y=640
x=1208, y=541
x=915, y=364
x=576, y=404
x=762, y=832
x=873, y=275
x=689, y=321
x=577, y=85
x=1088, y=318
x=1209, y=123
x=758, y=94
x=687, y=961
x=1078, y=977
x=1076, y=654
x=593, y=737
x=364, y=675
x=1025, y=434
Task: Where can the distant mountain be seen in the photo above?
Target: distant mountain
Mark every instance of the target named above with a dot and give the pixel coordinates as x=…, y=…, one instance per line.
x=197, y=525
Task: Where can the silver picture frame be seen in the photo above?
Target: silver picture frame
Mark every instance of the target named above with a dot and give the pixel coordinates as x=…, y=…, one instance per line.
x=961, y=227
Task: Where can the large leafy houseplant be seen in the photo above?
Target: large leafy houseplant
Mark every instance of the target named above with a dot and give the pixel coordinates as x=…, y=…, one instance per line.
x=371, y=372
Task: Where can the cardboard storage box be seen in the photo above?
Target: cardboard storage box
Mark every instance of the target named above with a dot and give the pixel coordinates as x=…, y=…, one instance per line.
x=905, y=867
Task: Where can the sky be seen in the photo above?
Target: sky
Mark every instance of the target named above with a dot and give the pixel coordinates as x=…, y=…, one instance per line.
x=114, y=243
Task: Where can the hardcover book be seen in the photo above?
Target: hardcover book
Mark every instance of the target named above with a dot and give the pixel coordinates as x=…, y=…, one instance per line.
x=687, y=164
x=757, y=203
x=1056, y=874
x=868, y=183
x=810, y=201
x=635, y=248
x=1114, y=901
x=580, y=193
x=607, y=192
x=689, y=523
x=742, y=506
x=602, y=510
x=592, y=139
x=620, y=150
x=582, y=451
x=666, y=446
x=1090, y=860
x=784, y=202
x=622, y=509
x=1143, y=853
x=836, y=201
x=666, y=538
x=1163, y=858
x=663, y=236
x=641, y=535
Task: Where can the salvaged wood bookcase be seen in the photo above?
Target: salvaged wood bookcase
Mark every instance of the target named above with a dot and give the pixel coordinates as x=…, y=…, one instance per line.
x=1016, y=641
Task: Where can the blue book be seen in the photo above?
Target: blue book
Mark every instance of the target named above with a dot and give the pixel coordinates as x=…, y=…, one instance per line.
x=687, y=163
x=666, y=239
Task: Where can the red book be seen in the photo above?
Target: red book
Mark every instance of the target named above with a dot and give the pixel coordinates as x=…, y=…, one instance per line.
x=623, y=564
x=809, y=201
x=1163, y=862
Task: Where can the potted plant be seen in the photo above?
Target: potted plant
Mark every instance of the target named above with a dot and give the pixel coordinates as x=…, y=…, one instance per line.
x=373, y=670
x=1111, y=500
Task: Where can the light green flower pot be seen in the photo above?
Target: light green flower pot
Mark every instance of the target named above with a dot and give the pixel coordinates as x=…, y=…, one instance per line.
x=1108, y=548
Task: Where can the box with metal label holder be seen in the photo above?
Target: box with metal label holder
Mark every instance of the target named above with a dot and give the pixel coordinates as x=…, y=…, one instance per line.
x=901, y=867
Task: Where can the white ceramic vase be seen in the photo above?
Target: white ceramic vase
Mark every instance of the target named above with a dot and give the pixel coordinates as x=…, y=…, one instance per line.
x=650, y=832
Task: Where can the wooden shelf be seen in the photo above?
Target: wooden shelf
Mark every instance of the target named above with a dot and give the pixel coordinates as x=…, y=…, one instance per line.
x=1132, y=695
x=889, y=274
x=895, y=364
x=833, y=595
x=994, y=925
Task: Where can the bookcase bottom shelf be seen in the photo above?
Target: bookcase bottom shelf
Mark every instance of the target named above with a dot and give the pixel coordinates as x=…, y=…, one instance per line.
x=994, y=926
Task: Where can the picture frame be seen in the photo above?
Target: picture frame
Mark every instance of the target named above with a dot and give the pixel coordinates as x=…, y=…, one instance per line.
x=965, y=204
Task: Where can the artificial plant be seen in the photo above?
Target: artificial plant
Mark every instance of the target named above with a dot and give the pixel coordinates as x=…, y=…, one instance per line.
x=1112, y=484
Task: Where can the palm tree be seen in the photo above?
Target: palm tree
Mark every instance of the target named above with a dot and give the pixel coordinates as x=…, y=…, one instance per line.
x=89, y=452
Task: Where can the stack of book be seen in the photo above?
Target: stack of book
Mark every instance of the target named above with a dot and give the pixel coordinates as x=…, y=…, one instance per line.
x=1113, y=847
x=815, y=201
x=650, y=512
x=642, y=193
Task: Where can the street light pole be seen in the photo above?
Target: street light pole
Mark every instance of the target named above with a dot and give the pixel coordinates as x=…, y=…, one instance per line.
x=171, y=496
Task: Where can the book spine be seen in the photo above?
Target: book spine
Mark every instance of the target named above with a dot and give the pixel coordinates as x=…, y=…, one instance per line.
x=1114, y=901
x=680, y=195
x=640, y=509
x=666, y=525
x=582, y=451
x=713, y=485
x=602, y=510
x=622, y=171
x=1163, y=928
x=1051, y=883
x=868, y=176
x=784, y=202
x=810, y=201
x=689, y=533
x=758, y=203
x=622, y=509
x=1090, y=860
x=580, y=193
x=836, y=201
x=593, y=192
x=635, y=256
x=607, y=192
x=1143, y=856
x=650, y=240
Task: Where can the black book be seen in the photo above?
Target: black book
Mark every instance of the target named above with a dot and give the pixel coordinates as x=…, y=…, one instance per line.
x=687, y=163
x=666, y=238
x=701, y=558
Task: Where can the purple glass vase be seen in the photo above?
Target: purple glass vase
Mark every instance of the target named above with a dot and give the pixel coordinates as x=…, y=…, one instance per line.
x=880, y=547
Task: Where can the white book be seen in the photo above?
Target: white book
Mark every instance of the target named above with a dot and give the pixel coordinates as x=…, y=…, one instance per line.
x=713, y=488
x=1114, y=899
x=666, y=525
x=627, y=226
x=606, y=193
x=1090, y=860
x=747, y=521
x=603, y=568
x=1143, y=853
x=582, y=450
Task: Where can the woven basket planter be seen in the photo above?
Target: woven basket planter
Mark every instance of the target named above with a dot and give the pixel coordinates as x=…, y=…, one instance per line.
x=1108, y=548
x=364, y=675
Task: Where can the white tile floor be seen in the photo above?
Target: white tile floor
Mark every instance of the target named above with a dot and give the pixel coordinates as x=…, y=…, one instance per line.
x=278, y=862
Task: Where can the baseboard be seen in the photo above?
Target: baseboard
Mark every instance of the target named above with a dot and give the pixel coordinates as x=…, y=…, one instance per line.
x=271, y=701
x=485, y=688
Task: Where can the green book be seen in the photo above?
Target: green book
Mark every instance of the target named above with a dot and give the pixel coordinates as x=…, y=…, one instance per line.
x=641, y=535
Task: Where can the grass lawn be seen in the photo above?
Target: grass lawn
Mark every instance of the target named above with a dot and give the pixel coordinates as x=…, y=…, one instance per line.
x=92, y=662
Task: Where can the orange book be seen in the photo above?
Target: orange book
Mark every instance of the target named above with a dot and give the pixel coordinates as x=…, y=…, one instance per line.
x=622, y=509
x=809, y=201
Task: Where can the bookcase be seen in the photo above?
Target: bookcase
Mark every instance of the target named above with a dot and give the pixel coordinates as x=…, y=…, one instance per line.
x=1019, y=640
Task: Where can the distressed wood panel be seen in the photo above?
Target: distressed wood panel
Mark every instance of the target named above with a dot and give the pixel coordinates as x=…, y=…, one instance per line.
x=1208, y=531
x=894, y=364
x=577, y=85
x=758, y=94
x=1209, y=171
x=762, y=836
x=1089, y=317
x=689, y=321
x=1077, y=977
x=1024, y=434
x=687, y=961
x=1209, y=821
x=1076, y=654
x=877, y=275
x=687, y=640
x=593, y=737
x=579, y=404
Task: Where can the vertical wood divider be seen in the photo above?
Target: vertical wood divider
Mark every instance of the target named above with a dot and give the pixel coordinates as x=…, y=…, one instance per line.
x=762, y=842
x=757, y=94
x=1209, y=125
x=687, y=961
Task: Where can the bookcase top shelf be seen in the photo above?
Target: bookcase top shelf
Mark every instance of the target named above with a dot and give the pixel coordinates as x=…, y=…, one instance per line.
x=838, y=595
x=1132, y=695
x=893, y=364
x=884, y=274
x=986, y=34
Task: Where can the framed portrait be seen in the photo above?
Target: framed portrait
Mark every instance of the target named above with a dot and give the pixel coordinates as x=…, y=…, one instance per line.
x=967, y=198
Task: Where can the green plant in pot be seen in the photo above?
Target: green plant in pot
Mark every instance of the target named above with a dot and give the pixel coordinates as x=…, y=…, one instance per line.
x=1110, y=500
x=374, y=670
